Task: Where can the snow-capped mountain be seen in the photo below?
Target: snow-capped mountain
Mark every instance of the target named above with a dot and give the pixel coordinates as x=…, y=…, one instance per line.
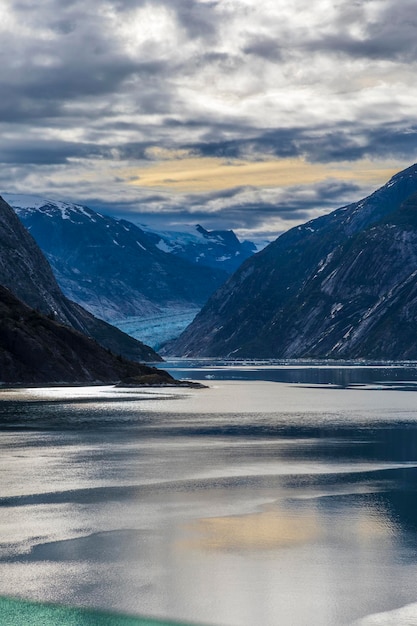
x=25, y=271
x=118, y=271
x=341, y=286
x=220, y=249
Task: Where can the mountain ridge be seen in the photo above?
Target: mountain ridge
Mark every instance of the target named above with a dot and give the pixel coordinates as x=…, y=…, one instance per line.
x=276, y=304
x=149, y=284
x=35, y=349
x=28, y=275
x=112, y=267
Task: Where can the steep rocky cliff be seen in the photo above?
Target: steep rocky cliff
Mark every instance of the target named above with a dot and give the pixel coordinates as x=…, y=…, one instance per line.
x=25, y=271
x=112, y=267
x=36, y=349
x=342, y=285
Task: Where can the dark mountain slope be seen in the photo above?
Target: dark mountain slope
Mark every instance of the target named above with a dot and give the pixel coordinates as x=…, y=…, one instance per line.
x=35, y=349
x=363, y=303
x=25, y=271
x=112, y=267
x=326, y=288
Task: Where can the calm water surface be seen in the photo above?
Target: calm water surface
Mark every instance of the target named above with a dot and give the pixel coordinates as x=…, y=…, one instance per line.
x=282, y=494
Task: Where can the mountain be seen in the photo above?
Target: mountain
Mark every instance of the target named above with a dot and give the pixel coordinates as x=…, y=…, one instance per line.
x=36, y=349
x=219, y=249
x=25, y=271
x=149, y=284
x=340, y=286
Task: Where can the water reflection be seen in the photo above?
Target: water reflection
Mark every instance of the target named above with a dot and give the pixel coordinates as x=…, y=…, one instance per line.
x=246, y=503
x=345, y=375
x=267, y=530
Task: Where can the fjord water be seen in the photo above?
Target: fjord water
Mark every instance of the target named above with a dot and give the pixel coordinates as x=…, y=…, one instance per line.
x=281, y=494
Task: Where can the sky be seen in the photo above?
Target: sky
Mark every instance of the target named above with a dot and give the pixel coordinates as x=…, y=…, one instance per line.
x=244, y=114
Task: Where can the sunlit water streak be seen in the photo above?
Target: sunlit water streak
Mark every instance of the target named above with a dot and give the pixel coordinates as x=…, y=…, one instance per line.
x=251, y=502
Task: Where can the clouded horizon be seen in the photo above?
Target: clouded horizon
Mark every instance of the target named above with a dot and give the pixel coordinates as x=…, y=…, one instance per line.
x=231, y=113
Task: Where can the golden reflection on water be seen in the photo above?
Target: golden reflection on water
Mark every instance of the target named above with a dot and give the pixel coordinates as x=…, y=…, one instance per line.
x=256, y=531
x=274, y=529
x=373, y=526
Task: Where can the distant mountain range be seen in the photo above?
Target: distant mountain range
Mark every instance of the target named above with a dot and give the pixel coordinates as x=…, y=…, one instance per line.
x=218, y=249
x=118, y=271
x=28, y=280
x=340, y=286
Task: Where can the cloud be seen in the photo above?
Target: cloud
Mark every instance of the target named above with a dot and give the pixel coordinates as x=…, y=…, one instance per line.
x=253, y=212
x=93, y=92
x=324, y=143
x=265, y=47
x=372, y=30
x=47, y=152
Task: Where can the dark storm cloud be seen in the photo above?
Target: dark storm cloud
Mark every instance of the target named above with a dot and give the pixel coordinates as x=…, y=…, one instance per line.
x=197, y=18
x=72, y=61
x=316, y=145
x=265, y=47
x=356, y=142
x=243, y=207
x=34, y=155
x=279, y=143
x=44, y=93
x=390, y=34
x=350, y=142
x=101, y=83
x=44, y=152
x=376, y=46
x=295, y=200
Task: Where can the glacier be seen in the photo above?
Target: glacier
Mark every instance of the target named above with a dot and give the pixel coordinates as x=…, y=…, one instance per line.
x=159, y=328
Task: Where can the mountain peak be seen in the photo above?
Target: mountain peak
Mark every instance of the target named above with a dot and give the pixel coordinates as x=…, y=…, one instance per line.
x=118, y=271
x=341, y=286
x=26, y=272
x=201, y=230
x=409, y=172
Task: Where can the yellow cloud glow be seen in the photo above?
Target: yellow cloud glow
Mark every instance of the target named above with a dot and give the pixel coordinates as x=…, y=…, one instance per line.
x=194, y=175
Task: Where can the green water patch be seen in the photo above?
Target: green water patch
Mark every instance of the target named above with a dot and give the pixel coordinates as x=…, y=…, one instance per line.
x=15, y=612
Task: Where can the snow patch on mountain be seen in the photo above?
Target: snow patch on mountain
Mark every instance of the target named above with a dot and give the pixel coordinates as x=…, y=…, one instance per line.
x=162, y=245
x=30, y=204
x=219, y=249
x=149, y=283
